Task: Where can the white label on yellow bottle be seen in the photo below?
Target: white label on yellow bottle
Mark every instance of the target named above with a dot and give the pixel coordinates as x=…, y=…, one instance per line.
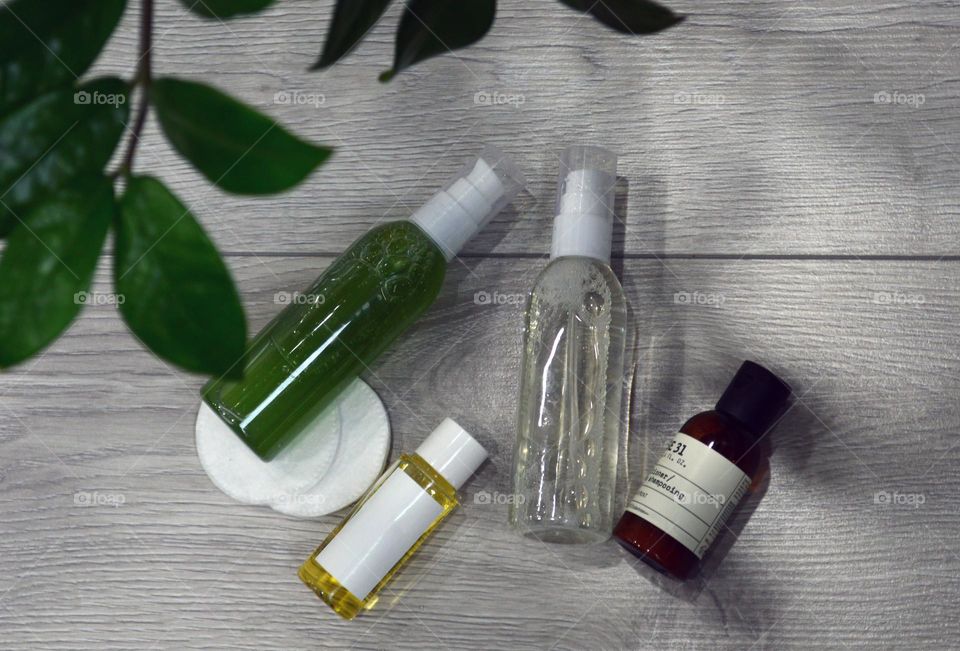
x=690, y=493
x=377, y=536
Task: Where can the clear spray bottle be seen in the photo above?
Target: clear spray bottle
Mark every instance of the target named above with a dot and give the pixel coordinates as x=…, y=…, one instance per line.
x=568, y=426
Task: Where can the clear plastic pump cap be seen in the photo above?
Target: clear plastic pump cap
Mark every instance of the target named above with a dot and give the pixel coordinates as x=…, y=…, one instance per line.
x=452, y=452
x=586, y=192
x=481, y=189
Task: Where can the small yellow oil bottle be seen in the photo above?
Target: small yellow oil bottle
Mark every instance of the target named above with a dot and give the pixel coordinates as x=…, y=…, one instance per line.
x=392, y=520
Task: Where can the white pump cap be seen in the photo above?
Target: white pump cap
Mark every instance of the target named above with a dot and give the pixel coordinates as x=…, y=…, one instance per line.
x=478, y=192
x=586, y=193
x=452, y=452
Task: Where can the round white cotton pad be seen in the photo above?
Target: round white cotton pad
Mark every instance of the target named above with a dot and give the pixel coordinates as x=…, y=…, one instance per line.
x=326, y=468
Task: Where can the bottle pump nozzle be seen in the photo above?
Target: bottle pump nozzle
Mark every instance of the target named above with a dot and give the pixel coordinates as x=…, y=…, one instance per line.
x=585, y=201
x=478, y=192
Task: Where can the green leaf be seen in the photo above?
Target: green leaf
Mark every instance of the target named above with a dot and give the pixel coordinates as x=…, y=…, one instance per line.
x=178, y=297
x=56, y=138
x=628, y=16
x=352, y=19
x=49, y=44
x=226, y=8
x=432, y=27
x=47, y=265
x=237, y=148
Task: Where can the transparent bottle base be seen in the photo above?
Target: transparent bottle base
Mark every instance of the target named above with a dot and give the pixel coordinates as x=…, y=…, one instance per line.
x=342, y=601
x=561, y=534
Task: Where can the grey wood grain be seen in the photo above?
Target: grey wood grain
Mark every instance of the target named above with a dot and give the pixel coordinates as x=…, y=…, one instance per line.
x=163, y=560
x=775, y=210
x=753, y=127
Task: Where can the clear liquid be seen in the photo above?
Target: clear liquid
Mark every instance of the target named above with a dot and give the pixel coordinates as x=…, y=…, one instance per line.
x=569, y=423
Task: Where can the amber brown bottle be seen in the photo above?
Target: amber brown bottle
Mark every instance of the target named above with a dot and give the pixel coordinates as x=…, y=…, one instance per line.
x=705, y=470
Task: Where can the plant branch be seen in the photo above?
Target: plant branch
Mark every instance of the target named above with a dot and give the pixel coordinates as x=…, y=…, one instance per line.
x=143, y=78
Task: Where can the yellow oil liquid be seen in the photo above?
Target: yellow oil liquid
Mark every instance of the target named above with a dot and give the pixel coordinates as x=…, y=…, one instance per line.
x=343, y=602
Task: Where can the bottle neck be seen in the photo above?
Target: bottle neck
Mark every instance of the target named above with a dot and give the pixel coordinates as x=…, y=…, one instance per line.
x=583, y=235
x=455, y=214
x=445, y=224
x=450, y=223
x=739, y=422
x=447, y=253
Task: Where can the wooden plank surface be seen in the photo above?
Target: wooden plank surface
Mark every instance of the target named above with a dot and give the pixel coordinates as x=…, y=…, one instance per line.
x=774, y=211
x=752, y=127
x=171, y=562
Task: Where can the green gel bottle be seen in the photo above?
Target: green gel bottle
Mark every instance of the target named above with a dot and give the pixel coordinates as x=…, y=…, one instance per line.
x=327, y=335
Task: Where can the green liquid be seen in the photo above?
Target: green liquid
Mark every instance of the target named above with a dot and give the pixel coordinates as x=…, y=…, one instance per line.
x=328, y=335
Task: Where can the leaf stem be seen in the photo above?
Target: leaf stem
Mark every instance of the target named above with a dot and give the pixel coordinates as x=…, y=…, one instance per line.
x=143, y=78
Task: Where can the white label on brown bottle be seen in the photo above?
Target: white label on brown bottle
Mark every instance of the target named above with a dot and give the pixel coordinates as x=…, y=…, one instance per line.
x=690, y=493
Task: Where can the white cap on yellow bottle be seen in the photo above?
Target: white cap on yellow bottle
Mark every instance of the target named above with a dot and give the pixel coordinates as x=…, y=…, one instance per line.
x=452, y=452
